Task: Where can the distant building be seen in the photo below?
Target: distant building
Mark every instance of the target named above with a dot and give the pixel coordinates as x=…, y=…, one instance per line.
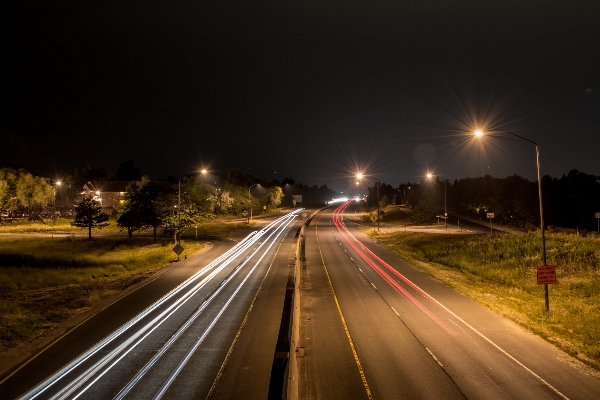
x=108, y=193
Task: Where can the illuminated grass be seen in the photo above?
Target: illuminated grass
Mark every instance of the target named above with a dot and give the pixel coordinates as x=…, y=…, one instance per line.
x=500, y=272
x=220, y=227
x=63, y=225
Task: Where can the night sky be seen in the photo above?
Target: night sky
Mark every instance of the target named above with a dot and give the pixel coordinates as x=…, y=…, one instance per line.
x=314, y=90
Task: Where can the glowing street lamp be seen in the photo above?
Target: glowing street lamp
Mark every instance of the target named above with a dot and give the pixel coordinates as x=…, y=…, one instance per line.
x=56, y=184
x=430, y=177
x=249, y=200
x=480, y=133
x=359, y=176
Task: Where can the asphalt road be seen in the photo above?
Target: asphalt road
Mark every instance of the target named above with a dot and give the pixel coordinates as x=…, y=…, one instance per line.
x=373, y=326
x=174, y=336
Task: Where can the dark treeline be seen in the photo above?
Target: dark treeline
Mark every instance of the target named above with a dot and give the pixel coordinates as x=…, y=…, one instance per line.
x=569, y=201
x=24, y=195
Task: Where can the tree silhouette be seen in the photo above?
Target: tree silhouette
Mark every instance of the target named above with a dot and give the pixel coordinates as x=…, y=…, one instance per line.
x=88, y=214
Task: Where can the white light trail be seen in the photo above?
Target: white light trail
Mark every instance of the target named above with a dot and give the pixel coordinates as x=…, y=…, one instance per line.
x=214, y=268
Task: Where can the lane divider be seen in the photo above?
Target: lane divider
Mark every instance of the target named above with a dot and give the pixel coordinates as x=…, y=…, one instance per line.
x=337, y=303
x=214, y=268
x=339, y=223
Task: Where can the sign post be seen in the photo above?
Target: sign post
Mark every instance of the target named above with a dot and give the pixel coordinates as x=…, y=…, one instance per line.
x=490, y=216
x=178, y=249
x=598, y=218
x=546, y=275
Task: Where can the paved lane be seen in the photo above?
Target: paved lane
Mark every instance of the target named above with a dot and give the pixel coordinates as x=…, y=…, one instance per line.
x=175, y=347
x=417, y=338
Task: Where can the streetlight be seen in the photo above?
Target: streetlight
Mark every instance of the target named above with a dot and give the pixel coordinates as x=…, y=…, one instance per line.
x=430, y=177
x=178, y=237
x=479, y=133
x=57, y=183
x=249, y=200
x=360, y=176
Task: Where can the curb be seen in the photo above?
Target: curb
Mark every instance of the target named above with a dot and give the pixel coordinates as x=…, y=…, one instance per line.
x=293, y=379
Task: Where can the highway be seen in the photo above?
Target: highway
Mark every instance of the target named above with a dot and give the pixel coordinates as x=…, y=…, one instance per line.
x=179, y=345
x=373, y=326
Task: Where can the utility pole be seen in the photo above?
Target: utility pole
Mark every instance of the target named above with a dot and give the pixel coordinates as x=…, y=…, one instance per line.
x=445, y=209
x=378, y=211
x=178, y=235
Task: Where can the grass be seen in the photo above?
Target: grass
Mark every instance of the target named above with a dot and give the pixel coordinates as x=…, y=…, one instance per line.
x=499, y=271
x=45, y=281
x=390, y=215
x=222, y=228
x=63, y=225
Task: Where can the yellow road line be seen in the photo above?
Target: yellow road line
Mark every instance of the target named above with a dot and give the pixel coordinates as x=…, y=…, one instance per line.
x=337, y=303
x=213, y=387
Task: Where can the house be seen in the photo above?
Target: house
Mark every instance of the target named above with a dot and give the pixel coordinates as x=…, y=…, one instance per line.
x=108, y=193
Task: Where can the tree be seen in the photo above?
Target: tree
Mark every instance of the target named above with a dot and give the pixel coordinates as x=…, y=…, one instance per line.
x=33, y=193
x=177, y=223
x=275, y=195
x=19, y=189
x=88, y=214
x=131, y=221
x=127, y=171
x=425, y=211
x=8, y=188
x=144, y=207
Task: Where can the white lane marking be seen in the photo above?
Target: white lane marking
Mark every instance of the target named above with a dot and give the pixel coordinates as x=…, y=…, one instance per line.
x=214, y=321
x=395, y=311
x=434, y=357
x=85, y=377
x=374, y=286
x=519, y=363
x=462, y=329
x=226, y=258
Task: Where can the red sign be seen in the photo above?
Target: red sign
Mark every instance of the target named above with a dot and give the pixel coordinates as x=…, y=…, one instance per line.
x=546, y=274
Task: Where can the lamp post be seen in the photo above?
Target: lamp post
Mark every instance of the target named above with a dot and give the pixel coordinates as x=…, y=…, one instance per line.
x=479, y=133
x=178, y=236
x=360, y=176
x=57, y=183
x=430, y=177
x=249, y=199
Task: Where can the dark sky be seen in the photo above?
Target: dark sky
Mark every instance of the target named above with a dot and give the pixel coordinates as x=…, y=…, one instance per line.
x=314, y=90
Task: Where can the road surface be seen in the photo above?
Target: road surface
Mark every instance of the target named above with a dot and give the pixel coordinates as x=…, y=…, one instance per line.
x=373, y=326
x=160, y=342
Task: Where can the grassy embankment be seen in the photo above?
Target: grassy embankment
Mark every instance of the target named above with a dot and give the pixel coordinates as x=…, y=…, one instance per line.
x=218, y=227
x=44, y=282
x=499, y=271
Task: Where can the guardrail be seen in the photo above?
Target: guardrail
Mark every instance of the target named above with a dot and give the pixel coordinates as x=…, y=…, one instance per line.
x=293, y=373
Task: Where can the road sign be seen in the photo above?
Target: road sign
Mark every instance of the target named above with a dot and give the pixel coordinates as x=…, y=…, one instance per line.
x=178, y=249
x=546, y=274
x=373, y=217
x=245, y=213
x=598, y=215
x=490, y=215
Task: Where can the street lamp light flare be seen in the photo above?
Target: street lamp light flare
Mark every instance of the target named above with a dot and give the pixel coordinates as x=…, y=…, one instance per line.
x=203, y=171
x=478, y=133
x=359, y=176
x=429, y=175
